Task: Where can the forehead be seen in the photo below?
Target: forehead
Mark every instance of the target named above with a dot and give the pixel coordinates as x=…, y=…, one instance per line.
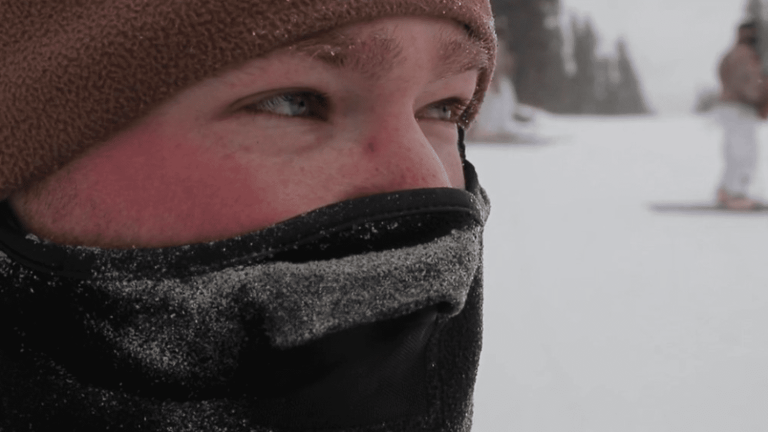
x=375, y=48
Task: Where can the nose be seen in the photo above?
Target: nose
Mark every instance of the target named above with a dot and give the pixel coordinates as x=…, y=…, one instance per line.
x=394, y=154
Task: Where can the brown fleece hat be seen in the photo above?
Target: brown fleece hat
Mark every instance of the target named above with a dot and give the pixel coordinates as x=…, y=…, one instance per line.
x=75, y=72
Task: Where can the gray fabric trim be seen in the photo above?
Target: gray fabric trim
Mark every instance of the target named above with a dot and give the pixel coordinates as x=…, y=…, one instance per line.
x=299, y=302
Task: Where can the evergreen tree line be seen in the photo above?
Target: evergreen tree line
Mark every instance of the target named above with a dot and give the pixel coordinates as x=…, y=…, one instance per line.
x=755, y=11
x=545, y=75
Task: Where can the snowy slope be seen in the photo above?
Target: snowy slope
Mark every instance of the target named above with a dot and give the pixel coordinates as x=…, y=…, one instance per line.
x=603, y=316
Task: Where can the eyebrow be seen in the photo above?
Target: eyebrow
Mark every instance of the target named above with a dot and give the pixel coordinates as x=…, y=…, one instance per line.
x=373, y=56
x=460, y=54
x=379, y=53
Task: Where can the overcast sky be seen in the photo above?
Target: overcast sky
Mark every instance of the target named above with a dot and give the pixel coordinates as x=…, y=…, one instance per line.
x=675, y=44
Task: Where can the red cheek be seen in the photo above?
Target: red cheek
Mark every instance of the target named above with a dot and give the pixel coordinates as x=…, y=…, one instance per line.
x=167, y=189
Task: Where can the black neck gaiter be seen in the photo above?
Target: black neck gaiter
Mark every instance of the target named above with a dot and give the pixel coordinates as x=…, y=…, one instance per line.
x=360, y=316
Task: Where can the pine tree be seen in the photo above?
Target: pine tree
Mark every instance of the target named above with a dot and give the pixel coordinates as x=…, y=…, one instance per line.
x=755, y=11
x=582, y=83
x=554, y=90
x=629, y=96
x=606, y=85
x=535, y=40
x=521, y=23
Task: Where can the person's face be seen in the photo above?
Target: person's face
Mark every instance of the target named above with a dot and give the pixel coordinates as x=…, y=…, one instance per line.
x=748, y=36
x=369, y=109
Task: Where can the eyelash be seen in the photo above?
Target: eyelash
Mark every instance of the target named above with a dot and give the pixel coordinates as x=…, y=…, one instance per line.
x=455, y=105
x=315, y=104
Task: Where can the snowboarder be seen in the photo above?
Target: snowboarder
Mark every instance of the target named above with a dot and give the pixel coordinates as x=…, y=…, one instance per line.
x=240, y=215
x=743, y=94
x=499, y=119
x=495, y=122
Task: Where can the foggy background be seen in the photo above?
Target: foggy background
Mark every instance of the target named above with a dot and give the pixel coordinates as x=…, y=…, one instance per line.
x=601, y=314
x=673, y=47
x=675, y=44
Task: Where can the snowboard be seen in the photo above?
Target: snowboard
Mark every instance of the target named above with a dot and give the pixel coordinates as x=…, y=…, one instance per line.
x=704, y=208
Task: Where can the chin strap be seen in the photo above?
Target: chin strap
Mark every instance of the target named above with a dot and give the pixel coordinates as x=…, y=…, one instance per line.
x=462, y=146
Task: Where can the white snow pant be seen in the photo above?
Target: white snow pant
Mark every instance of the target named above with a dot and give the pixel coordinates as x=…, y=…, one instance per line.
x=739, y=123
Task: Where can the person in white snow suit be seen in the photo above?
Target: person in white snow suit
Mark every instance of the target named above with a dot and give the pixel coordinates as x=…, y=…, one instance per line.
x=743, y=94
x=496, y=120
x=240, y=215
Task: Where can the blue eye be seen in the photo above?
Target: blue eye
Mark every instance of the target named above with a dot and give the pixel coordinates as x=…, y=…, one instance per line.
x=292, y=104
x=440, y=112
x=447, y=110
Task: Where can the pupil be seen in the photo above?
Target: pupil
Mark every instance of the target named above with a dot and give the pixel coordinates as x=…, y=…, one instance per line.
x=300, y=103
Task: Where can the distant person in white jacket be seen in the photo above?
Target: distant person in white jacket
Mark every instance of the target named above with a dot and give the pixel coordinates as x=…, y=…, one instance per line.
x=743, y=95
x=495, y=122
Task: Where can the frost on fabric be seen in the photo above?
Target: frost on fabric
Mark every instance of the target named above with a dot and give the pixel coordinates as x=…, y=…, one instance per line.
x=192, y=329
x=176, y=323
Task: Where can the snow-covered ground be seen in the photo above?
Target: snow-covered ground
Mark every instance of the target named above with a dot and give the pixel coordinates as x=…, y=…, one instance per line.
x=603, y=316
